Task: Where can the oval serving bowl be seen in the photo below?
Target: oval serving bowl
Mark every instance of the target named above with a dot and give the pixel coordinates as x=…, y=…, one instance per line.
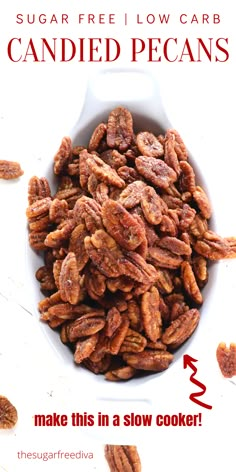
x=138, y=91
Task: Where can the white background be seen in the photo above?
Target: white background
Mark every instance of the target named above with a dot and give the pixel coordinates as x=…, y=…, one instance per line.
x=39, y=104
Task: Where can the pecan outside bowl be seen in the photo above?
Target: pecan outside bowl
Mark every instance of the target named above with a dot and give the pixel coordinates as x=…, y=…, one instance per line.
x=142, y=98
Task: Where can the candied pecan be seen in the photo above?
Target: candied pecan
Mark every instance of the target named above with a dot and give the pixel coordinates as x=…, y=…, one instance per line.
x=45, y=276
x=169, y=223
x=214, y=247
x=187, y=177
x=138, y=269
x=69, y=279
x=122, y=458
x=92, y=184
x=181, y=328
x=58, y=210
x=96, y=137
x=113, y=321
x=66, y=311
x=119, y=335
x=84, y=170
x=104, y=252
x=74, y=167
x=123, y=373
x=8, y=414
x=128, y=174
x=190, y=283
x=186, y=217
x=149, y=359
x=155, y=171
x=133, y=342
x=86, y=325
x=38, y=188
x=36, y=240
x=170, y=156
x=149, y=145
x=177, y=309
x=198, y=226
x=132, y=194
x=122, y=226
x=89, y=211
x=134, y=315
x=95, y=282
x=102, y=192
x=10, y=170
x=123, y=283
x=76, y=245
x=172, y=202
x=99, y=367
x=164, y=258
x=56, y=271
x=63, y=155
x=151, y=316
x=84, y=349
x=49, y=301
x=103, y=171
x=164, y=281
x=38, y=209
x=180, y=147
x=119, y=129
x=102, y=347
x=151, y=205
x=113, y=158
x=175, y=245
x=202, y=201
x=226, y=357
x=56, y=238
x=70, y=194
x=199, y=264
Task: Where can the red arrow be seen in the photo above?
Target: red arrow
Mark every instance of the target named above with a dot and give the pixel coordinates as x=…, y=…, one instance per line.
x=188, y=362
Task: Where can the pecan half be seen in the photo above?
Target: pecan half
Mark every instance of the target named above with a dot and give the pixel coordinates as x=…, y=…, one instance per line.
x=122, y=226
x=10, y=170
x=122, y=458
x=155, y=171
x=8, y=414
x=151, y=315
x=181, y=328
x=63, y=155
x=120, y=129
x=149, y=359
x=69, y=280
x=149, y=145
x=226, y=357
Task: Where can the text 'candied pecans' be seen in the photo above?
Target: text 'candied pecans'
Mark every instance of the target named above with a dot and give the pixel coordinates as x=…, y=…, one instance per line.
x=126, y=245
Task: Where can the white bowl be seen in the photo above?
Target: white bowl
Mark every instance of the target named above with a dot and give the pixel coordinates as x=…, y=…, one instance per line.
x=140, y=93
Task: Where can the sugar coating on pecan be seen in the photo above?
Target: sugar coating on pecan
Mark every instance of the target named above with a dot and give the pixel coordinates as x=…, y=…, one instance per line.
x=126, y=244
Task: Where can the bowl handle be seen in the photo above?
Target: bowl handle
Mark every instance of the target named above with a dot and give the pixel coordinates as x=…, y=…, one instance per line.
x=137, y=89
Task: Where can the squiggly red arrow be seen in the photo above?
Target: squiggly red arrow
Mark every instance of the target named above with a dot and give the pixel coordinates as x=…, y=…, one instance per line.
x=188, y=362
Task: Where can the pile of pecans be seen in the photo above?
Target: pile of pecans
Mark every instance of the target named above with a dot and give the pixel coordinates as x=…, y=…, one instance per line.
x=126, y=243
